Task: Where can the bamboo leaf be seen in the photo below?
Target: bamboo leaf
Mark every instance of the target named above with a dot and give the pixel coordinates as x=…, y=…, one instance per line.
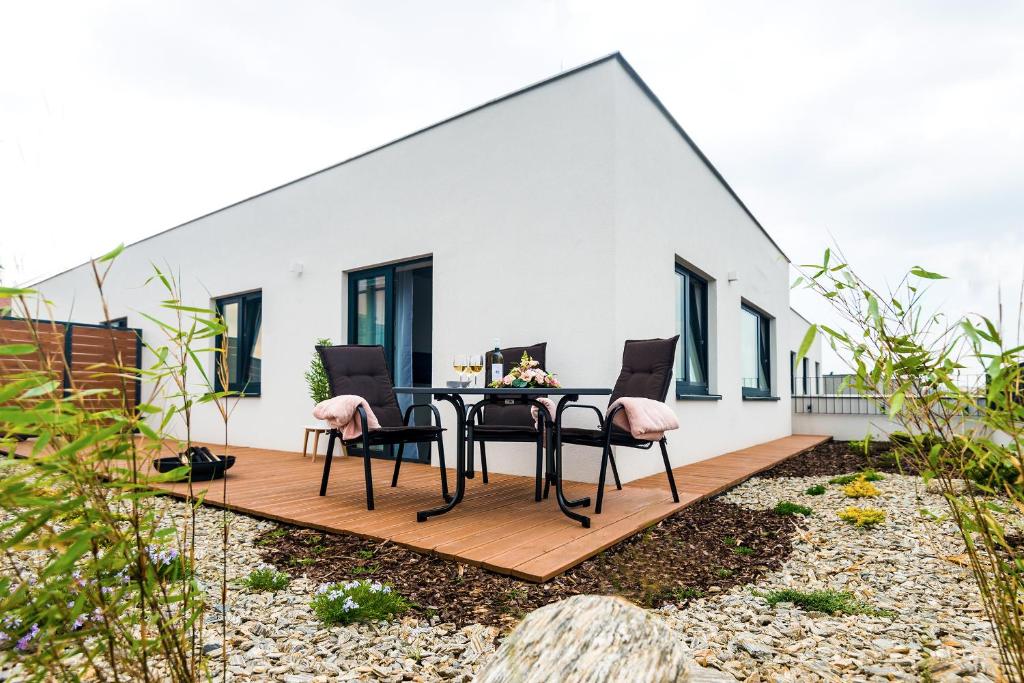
x=918, y=271
x=112, y=254
x=17, y=349
x=805, y=345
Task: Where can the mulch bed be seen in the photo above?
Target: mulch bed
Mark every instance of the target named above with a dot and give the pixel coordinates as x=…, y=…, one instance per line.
x=839, y=457
x=708, y=547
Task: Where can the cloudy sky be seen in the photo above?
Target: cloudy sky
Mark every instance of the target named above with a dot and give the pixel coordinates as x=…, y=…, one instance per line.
x=894, y=129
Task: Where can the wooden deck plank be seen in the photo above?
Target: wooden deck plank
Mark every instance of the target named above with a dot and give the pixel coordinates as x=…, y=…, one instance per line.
x=498, y=526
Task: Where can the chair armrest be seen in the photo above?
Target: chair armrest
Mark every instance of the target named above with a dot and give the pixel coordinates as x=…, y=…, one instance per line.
x=600, y=415
x=364, y=422
x=433, y=409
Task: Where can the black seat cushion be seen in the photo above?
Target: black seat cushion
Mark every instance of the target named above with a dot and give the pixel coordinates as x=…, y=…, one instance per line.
x=595, y=437
x=504, y=433
x=515, y=415
x=386, y=435
x=363, y=371
x=646, y=369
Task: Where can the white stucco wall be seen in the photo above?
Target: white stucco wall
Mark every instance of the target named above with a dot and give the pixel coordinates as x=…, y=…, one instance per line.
x=584, y=170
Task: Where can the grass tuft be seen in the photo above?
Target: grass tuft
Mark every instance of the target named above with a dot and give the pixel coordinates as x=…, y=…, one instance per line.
x=788, y=509
x=685, y=593
x=816, y=490
x=866, y=475
x=827, y=601
x=266, y=579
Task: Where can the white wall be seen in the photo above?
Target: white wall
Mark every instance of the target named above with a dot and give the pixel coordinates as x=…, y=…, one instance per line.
x=572, y=201
x=669, y=208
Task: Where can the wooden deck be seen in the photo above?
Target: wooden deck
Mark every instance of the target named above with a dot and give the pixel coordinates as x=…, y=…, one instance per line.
x=497, y=526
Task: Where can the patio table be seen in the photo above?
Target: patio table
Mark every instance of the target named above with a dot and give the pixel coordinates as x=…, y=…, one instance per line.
x=465, y=414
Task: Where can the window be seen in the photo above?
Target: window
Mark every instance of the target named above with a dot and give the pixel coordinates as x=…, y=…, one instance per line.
x=817, y=377
x=692, y=325
x=755, y=346
x=117, y=323
x=807, y=379
x=242, y=314
x=792, y=372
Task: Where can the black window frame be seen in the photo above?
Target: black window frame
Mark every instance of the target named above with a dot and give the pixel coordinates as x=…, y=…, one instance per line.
x=243, y=387
x=817, y=377
x=764, y=352
x=792, y=372
x=116, y=323
x=807, y=375
x=685, y=386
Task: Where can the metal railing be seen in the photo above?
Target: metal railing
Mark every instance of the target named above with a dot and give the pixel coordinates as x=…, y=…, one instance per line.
x=832, y=395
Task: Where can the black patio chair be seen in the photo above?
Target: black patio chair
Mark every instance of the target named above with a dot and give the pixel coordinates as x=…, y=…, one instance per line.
x=362, y=370
x=646, y=373
x=511, y=423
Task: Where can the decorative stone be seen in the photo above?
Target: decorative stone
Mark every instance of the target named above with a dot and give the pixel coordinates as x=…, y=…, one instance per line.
x=589, y=639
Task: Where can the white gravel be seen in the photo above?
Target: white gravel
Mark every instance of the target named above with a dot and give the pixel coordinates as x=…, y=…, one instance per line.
x=910, y=566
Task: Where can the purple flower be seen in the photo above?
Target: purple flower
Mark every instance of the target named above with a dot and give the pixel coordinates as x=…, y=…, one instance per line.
x=27, y=638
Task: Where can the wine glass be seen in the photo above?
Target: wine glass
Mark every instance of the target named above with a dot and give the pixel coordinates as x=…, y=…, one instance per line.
x=460, y=364
x=476, y=365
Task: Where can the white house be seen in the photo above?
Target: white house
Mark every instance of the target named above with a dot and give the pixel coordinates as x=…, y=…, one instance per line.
x=575, y=211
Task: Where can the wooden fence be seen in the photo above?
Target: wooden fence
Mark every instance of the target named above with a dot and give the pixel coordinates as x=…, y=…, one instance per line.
x=81, y=356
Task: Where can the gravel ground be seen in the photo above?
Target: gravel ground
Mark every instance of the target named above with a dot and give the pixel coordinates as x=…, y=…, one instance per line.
x=933, y=625
x=275, y=636
x=907, y=566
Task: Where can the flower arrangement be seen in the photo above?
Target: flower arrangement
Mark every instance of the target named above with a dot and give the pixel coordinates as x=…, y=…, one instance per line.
x=527, y=375
x=352, y=601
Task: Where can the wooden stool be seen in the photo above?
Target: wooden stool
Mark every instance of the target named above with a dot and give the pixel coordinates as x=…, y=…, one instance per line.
x=317, y=431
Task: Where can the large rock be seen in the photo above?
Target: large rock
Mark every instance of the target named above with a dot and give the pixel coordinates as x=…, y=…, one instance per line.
x=592, y=639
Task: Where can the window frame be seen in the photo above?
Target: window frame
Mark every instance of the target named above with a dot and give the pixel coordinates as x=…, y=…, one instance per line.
x=806, y=374
x=684, y=384
x=116, y=323
x=764, y=346
x=244, y=388
x=817, y=378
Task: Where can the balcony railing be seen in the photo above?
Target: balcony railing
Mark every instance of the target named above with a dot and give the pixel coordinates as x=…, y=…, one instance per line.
x=831, y=395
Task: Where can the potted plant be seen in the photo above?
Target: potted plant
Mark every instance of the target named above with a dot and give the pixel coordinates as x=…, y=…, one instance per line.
x=316, y=377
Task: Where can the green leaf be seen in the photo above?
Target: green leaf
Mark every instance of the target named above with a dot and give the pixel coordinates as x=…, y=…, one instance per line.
x=896, y=403
x=926, y=274
x=15, y=291
x=42, y=389
x=17, y=349
x=809, y=336
x=112, y=254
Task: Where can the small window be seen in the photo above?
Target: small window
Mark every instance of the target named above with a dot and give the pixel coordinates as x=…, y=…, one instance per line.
x=807, y=378
x=117, y=323
x=692, y=325
x=242, y=315
x=792, y=372
x=817, y=377
x=755, y=346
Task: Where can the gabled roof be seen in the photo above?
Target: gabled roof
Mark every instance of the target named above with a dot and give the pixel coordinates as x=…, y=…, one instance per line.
x=616, y=56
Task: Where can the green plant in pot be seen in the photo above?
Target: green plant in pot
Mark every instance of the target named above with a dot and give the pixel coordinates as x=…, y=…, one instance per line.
x=316, y=376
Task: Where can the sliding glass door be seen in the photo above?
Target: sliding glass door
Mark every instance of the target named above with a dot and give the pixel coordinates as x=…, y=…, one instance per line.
x=392, y=306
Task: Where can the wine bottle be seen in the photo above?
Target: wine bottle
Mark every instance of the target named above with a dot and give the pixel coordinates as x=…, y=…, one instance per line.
x=497, y=363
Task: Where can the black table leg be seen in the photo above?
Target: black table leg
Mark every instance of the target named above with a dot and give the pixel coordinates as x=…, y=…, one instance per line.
x=460, y=458
x=563, y=503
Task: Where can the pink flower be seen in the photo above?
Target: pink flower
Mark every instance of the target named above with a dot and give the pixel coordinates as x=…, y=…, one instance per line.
x=507, y=380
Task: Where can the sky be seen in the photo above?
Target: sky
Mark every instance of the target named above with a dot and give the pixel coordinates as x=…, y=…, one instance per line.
x=893, y=130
